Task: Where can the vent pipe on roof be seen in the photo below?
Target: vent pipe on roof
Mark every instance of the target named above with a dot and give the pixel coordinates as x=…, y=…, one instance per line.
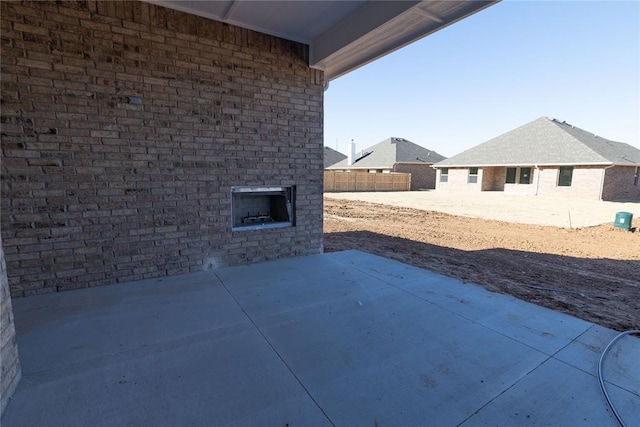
x=351, y=158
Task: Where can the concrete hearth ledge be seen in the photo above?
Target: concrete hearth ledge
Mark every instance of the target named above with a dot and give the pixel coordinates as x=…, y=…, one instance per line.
x=342, y=339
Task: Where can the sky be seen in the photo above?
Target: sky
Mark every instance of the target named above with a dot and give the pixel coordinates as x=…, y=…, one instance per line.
x=501, y=68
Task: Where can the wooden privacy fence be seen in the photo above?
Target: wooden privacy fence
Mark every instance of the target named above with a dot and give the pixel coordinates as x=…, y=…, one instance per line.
x=336, y=181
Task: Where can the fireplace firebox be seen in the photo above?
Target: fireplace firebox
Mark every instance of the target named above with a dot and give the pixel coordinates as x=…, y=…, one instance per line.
x=256, y=208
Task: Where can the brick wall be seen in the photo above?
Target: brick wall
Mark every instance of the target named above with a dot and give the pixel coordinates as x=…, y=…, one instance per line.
x=423, y=177
x=585, y=183
x=457, y=181
x=9, y=362
x=124, y=127
x=517, y=188
x=620, y=184
x=493, y=178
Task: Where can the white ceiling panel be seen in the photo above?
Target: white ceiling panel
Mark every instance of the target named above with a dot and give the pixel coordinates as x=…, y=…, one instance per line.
x=342, y=35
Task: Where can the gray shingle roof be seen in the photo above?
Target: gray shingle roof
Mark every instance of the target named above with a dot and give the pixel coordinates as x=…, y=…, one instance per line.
x=549, y=142
x=385, y=154
x=332, y=156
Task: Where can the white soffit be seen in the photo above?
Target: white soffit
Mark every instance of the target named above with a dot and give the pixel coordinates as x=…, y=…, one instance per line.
x=342, y=35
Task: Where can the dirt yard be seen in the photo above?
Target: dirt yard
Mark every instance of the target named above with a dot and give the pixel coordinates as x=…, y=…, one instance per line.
x=592, y=273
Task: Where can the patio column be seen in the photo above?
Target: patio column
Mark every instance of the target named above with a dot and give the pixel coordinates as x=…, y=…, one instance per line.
x=10, y=370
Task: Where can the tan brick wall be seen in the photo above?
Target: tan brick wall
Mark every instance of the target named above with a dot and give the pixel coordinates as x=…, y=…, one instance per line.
x=619, y=184
x=518, y=188
x=10, y=364
x=423, y=177
x=493, y=179
x=98, y=189
x=458, y=181
x=585, y=183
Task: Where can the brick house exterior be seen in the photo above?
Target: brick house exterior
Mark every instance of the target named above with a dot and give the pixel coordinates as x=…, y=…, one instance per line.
x=423, y=176
x=546, y=157
x=125, y=126
x=396, y=155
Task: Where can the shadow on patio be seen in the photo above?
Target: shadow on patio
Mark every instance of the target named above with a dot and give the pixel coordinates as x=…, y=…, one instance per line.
x=600, y=290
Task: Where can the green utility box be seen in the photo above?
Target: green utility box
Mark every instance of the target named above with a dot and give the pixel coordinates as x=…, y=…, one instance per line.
x=623, y=220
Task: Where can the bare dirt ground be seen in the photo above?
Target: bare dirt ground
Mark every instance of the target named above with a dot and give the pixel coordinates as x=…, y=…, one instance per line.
x=592, y=272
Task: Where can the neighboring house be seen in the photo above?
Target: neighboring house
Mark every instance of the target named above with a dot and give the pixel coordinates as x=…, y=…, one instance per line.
x=396, y=155
x=331, y=157
x=546, y=157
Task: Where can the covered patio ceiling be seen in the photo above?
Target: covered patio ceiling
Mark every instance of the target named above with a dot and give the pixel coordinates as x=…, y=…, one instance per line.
x=342, y=35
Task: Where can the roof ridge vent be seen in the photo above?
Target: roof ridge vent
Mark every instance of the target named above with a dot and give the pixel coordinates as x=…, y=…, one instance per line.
x=563, y=122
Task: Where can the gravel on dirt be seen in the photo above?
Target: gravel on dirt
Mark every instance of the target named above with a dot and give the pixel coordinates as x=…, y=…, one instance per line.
x=590, y=272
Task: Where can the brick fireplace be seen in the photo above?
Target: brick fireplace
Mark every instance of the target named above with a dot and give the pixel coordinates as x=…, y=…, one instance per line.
x=127, y=136
x=256, y=208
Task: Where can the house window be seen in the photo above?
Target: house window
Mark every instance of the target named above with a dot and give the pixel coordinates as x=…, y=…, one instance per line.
x=565, y=174
x=511, y=176
x=444, y=175
x=636, y=176
x=525, y=175
x=473, y=176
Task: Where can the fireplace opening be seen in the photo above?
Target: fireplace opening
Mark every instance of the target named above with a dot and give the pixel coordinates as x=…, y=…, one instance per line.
x=254, y=208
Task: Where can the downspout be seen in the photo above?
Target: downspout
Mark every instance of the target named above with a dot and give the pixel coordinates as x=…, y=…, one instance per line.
x=537, y=178
x=602, y=180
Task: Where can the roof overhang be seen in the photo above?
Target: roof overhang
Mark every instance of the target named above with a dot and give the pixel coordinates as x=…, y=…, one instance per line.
x=341, y=35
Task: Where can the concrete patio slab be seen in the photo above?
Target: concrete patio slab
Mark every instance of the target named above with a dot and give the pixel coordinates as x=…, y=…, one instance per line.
x=345, y=338
x=566, y=400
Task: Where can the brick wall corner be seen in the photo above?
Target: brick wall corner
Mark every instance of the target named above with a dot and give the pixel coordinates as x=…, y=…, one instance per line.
x=10, y=372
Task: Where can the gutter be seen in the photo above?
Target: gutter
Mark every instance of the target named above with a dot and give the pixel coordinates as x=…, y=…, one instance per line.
x=515, y=165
